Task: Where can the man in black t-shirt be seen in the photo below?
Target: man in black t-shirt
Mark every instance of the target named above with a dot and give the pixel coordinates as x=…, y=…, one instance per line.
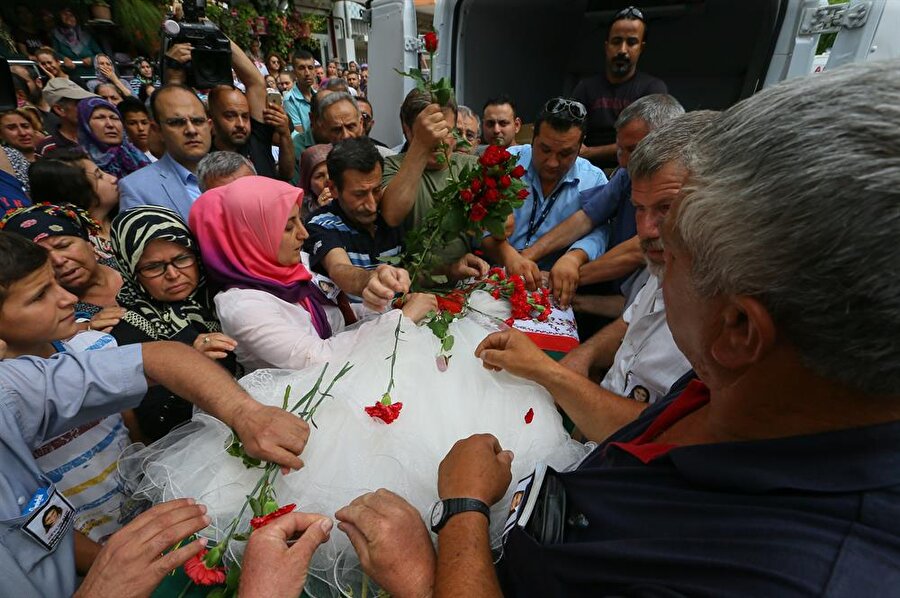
x=605, y=95
x=245, y=123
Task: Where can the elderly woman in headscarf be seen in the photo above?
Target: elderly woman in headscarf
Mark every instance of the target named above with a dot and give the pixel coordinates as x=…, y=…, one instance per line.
x=105, y=71
x=74, y=44
x=313, y=179
x=165, y=296
x=65, y=232
x=102, y=134
x=250, y=236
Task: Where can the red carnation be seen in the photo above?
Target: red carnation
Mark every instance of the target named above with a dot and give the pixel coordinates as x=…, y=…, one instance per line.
x=491, y=196
x=518, y=171
x=431, y=42
x=202, y=575
x=467, y=196
x=258, y=522
x=452, y=302
x=386, y=413
x=522, y=194
x=477, y=213
x=505, y=181
x=529, y=416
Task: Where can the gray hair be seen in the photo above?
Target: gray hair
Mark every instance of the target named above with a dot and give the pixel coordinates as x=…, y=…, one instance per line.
x=795, y=200
x=333, y=98
x=655, y=109
x=668, y=143
x=219, y=165
x=466, y=112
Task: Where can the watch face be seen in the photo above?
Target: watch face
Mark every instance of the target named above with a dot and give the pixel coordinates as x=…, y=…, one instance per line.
x=437, y=513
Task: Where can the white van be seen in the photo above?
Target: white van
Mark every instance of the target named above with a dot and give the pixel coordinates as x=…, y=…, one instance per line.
x=710, y=53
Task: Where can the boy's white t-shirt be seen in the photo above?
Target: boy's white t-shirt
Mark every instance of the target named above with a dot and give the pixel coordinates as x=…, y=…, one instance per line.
x=83, y=462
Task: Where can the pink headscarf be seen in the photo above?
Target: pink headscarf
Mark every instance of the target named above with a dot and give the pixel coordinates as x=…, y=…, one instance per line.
x=239, y=228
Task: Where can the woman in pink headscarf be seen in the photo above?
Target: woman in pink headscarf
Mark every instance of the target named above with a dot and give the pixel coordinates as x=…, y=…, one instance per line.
x=250, y=236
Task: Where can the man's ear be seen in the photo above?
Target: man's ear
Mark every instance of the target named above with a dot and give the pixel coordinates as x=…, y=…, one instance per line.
x=518, y=122
x=745, y=335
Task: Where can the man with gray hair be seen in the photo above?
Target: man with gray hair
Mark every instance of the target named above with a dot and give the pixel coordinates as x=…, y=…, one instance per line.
x=339, y=118
x=776, y=473
x=217, y=169
x=604, y=204
x=468, y=126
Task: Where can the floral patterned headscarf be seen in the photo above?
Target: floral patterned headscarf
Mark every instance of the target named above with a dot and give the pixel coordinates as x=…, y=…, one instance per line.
x=44, y=220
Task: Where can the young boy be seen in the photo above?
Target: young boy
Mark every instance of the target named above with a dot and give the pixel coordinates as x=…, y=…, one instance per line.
x=37, y=318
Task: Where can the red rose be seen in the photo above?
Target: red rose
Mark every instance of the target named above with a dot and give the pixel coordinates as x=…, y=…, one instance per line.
x=431, y=42
x=476, y=185
x=386, y=413
x=522, y=194
x=202, y=575
x=258, y=522
x=467, y=196
x=505, y=181
x=452, y=302
x=491, y=196
x=518, y=171
x=490, y=183
x=477, y=213
x=529, y=416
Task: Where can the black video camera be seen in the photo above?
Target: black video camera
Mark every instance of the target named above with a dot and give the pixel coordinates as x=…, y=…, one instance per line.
x=210, y=63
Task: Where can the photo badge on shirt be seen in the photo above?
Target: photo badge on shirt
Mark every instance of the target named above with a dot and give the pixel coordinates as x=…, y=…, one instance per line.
x=51, y=516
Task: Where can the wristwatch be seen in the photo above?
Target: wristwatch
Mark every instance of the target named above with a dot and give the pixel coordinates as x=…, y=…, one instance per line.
x=443, y=510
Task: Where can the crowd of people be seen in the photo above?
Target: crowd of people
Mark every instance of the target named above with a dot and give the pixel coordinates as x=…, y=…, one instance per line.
x=738, y=397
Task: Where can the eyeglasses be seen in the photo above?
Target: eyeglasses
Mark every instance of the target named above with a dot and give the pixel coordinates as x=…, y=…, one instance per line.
x=564, y=107
x=157, y=269
x=366, y=117
x=181, y=122
x=632, y=12
x=468, y=135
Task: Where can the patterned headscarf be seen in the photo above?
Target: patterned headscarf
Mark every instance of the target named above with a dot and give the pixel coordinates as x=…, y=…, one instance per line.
x=119, y=160
x=44, y=220
x=131, y=232
x=239, y=228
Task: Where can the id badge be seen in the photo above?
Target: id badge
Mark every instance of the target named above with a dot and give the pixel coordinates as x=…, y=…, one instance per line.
x=50, y=521
x=327, y=286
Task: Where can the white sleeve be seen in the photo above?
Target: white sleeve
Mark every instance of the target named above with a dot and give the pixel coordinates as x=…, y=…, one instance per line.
x=629, y=312
x=274, y=333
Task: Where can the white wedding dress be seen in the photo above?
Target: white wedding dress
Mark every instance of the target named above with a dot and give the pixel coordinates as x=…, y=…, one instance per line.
x=349, y=453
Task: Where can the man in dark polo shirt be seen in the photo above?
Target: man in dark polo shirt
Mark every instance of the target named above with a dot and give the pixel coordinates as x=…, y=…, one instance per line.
x=245, y=123
x=63, y=96
x=773, y=474
x=605, y=95
x=348, y=236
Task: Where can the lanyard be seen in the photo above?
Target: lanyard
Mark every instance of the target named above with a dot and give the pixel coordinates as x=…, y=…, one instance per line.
x=548, y=205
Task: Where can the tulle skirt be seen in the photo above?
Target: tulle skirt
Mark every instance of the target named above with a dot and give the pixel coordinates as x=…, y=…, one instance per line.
x=349, y=453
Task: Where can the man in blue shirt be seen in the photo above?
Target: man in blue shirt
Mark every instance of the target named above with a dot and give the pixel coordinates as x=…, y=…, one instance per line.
x=606, y=205
x=297, y=100
x=777, y=474
x=555, y=176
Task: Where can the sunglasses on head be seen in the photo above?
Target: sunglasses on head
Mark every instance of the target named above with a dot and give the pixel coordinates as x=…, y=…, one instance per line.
x=632, y=12
x=566, y=108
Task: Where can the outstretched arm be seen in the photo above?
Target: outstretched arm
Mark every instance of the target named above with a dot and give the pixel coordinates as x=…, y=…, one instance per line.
x=254, y=82
x=621, y=260
x=560, y=236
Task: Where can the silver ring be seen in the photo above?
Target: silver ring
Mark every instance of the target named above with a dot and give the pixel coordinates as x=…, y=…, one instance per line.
x=206, y=340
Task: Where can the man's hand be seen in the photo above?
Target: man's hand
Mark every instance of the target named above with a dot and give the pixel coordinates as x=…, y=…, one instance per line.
x=273, y=569
x=468, y=266
x=385, y=282
x=67, y=63
x=564, y=276
x=105, y=319
x=476, y=467
x=215, y=345
x=271, y=434
x=418, y=305
x=430, y=128
x=3, y=348
x=527, y=269
x=132, y=562
x=393, y=545
x=180, y=52
x=275, y=116
x=513, y=351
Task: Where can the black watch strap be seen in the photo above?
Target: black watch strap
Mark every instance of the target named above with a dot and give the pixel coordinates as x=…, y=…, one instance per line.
x=455, y=506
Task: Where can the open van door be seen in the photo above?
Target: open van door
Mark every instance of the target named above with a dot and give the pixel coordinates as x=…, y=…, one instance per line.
x=393, y=44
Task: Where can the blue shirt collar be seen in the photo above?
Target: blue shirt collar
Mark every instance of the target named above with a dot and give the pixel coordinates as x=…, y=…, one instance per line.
x=185, y=175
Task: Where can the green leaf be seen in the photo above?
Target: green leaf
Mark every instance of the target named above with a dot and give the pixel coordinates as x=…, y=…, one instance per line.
x=447, y=343
x=217, y=593
x=439, y=279
x=233, y=578
x=255, y=506
x=389, y=259
x=442, y=96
